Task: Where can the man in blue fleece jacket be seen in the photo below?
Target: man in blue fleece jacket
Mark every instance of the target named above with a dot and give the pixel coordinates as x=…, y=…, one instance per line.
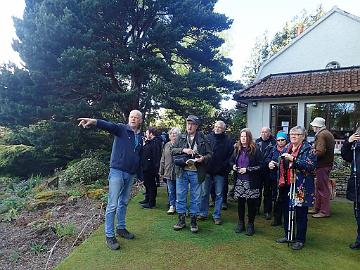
x=124, y=164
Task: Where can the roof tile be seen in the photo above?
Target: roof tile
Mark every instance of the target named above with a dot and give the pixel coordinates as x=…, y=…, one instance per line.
x=315, y=82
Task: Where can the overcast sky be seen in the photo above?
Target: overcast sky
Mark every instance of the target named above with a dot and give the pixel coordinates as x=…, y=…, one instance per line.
x=251, y=20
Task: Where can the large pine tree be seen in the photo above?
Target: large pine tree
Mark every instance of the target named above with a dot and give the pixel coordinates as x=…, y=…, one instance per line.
x=110, y=57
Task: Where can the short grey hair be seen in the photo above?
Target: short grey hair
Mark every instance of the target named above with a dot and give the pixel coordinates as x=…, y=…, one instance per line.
x=175, y=130
x=267, y=129
x=300, y=129
x=138, y=113
x=222, y=123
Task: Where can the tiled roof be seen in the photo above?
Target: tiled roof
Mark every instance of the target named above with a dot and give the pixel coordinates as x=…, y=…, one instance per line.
x=305, y=83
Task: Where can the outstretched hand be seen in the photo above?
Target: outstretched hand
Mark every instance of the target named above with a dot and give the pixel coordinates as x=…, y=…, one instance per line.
x=86, y=122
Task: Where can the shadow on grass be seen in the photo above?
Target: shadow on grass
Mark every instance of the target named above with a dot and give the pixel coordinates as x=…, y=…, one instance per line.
x=158, y=246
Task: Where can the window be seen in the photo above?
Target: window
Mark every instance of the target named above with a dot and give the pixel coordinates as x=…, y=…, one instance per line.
x=283, y=117
x=332, y=65
x=341, y=118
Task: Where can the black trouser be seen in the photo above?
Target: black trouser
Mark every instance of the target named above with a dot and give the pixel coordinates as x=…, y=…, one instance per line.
x=280, y=204
x=225, y=189
x=300, y=222
x=151, y=188
x=251, y=203
x=269, y=192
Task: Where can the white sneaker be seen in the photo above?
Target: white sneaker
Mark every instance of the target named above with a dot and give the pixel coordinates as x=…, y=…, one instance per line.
x=171, y=210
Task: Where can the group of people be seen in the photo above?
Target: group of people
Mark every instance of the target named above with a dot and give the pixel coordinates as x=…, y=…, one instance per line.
x=280, y=169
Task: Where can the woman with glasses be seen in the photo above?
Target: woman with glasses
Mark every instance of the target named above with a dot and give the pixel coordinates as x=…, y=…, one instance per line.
x=297, y=167
x=248, y=162
x=279, y=192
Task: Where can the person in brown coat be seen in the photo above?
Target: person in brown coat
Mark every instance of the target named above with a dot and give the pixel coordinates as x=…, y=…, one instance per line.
x=324, y=149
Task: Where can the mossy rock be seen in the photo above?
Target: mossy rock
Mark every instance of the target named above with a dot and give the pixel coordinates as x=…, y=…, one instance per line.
x=50, y=194
x=95, y=193
x=41, y=204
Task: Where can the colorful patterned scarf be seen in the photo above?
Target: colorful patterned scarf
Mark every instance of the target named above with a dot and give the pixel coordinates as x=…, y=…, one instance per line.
x=289, y=171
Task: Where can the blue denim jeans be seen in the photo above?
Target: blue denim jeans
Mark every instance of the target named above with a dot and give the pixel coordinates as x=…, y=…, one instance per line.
x=120, y=184
x=171, y=188
x=182, y=187
x=218, y=181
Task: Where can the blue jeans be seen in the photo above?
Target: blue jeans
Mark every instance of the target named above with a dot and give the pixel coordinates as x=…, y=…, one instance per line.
x=182, y=187
x=218, y=181
x=171, y=187
x=120, y=184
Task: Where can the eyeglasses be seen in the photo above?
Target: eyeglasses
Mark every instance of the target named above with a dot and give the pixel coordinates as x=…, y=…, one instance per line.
x=296, y=134
x=281, y=140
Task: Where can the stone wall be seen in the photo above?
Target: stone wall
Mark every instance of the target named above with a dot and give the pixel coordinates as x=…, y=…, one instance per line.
x=340, y=173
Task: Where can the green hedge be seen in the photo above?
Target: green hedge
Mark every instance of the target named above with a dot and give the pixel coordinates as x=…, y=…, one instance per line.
x=16, y=159
x=86, y=171
x=23, y=160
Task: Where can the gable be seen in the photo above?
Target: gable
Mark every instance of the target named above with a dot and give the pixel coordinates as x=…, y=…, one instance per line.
x=335, y=37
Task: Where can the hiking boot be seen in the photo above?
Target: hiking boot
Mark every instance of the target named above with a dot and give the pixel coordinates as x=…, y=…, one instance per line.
x=181, y=223
x=250, y=229
x=240, y=227
x=124, y=233
x=217, y=221
x=171, y=210
x=112, y=243
x=193, y=225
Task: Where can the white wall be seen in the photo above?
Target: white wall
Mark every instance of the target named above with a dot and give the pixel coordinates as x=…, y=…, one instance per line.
x=259, y=116
x=337, y=38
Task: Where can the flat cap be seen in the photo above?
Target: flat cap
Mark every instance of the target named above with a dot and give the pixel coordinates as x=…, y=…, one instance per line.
x=194, y=119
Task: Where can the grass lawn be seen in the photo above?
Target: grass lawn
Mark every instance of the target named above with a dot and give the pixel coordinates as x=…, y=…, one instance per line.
x=158, y=246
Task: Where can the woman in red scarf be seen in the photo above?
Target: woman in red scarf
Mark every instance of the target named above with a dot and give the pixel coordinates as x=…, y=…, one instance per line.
x=297, y=166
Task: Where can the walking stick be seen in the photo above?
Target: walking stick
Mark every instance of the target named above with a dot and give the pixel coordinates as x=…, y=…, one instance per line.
x=291, y=208
x=353, y=148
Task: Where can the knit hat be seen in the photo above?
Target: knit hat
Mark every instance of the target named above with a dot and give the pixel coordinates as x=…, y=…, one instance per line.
x=281, y=134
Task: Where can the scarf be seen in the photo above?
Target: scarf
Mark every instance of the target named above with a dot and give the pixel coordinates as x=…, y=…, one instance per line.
x=288, y=171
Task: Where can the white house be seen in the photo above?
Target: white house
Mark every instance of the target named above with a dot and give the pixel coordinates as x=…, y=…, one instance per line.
x=317, y=74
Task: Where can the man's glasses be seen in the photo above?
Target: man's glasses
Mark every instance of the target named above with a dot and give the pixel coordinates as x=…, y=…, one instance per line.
x=296, y=134
x=281, y=140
